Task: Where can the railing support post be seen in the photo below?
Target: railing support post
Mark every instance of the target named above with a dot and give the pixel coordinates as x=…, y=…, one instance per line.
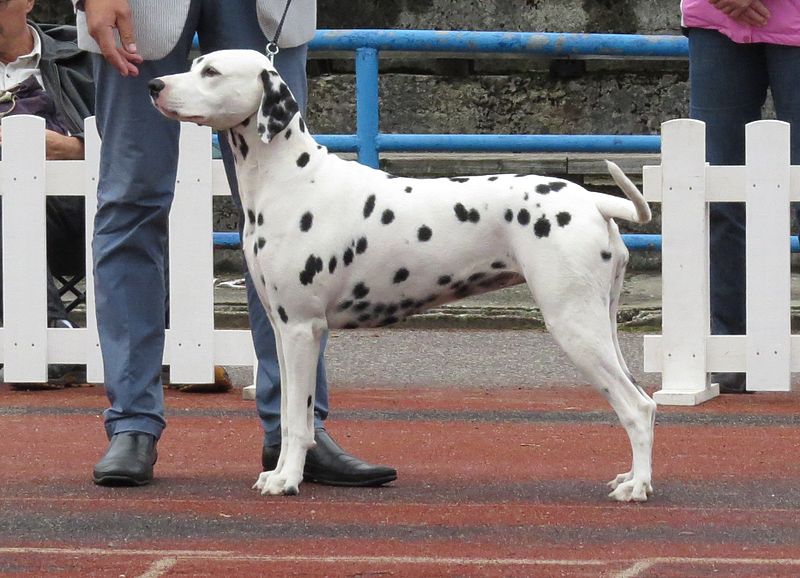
x=367, y=118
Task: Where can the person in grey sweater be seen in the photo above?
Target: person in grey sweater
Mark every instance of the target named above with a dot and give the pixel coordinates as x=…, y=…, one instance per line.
x=135, y=41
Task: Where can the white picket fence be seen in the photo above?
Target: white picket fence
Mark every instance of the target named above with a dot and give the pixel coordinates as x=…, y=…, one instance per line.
x=684, y=184
x=193, y=345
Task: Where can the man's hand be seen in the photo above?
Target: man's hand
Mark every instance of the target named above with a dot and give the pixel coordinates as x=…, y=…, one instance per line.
x=62, y=148
x=102, y=18
x=749, y=12
x=59, y=147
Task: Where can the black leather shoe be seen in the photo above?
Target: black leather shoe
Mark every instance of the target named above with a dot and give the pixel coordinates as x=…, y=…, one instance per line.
x=128, y=461
x=730, y=382
x=330, y=465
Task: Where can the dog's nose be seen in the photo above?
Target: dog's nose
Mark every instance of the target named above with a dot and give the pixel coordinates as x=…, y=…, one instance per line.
x=155, y=87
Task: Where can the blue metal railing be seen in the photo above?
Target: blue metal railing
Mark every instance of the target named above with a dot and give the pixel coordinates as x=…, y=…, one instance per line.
x=368, y=142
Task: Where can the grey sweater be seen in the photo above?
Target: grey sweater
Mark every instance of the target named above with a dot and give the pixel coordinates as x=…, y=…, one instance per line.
x=159, y=23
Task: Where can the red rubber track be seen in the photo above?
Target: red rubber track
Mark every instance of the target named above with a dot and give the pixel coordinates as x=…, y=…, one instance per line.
x=491, y=483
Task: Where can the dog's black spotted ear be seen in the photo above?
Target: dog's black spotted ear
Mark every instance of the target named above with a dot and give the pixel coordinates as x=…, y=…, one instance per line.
x=278, y=106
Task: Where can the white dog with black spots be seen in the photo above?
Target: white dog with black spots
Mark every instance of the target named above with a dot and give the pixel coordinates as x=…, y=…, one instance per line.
x=333, y=244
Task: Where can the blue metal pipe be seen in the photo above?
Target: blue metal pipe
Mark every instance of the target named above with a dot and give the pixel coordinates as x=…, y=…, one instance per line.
x=561, y=45
x=519, y=143
x=367, y=115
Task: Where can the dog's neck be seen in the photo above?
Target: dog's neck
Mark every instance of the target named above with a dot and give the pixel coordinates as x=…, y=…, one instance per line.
x=288, y=152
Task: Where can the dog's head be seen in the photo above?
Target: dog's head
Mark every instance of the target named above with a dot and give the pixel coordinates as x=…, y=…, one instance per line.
x=223, y=89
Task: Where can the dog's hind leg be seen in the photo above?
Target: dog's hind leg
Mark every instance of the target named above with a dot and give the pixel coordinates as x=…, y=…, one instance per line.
x=578, y=319
x=299, y=345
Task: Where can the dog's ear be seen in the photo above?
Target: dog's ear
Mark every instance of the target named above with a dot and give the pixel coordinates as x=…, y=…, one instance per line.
x=278, y=106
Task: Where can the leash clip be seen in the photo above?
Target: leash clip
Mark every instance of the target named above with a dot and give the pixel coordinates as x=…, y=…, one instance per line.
x=272, y=50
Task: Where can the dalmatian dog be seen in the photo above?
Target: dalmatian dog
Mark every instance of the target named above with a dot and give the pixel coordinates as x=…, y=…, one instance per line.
x=333, y=244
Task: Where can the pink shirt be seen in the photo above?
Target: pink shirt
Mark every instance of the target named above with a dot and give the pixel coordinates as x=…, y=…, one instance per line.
x=783, y=26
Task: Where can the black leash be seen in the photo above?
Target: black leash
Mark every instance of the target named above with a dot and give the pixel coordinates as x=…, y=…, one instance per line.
x=272, y=47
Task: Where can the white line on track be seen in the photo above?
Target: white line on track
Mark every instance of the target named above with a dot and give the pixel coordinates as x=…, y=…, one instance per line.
x=166, y=559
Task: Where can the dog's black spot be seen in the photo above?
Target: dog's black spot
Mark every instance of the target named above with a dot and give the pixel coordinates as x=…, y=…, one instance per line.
x=302, y=125
x=361, y=246
x=401, y=275
x=347, y=258
x=543, y=189
x=255, y=248
x=313, y=266
x=498, y=265
x=409, y=189
x=261, y=128
x=556, y=186
x=563, y=219
x=493, y=178
x=387, y=217
x=364, y=317
x=457, y=285
x=463, y=291
x=476, y=277
x=388, y=321
x=459, y=179
x=308, y=401
x=306, y=221
x=388, y=176
x=246, y=122
x=260, y=219
x=361, y=305
x=474, y=216
x=360, y=290
x=605, y=255
x=282, y=313
x=251, y=216
x=350, y=326
x=345, y=305
x=263, y=281
x=406, y=303
x=199, y=59
x=379, y=307
x=302, y=160
x=424, y=233
x=461, y=212
x=509, y=215
x=444, y=279
x=523, y=217
x=243, y=147
x=261, y=242
x=369, y=206
x=542, y=227
x=332, y=265
x=392, y=309
x=525, y=197
x=519, y=176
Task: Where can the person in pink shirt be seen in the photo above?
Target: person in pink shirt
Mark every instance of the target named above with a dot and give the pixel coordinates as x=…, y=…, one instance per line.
x=737, y=50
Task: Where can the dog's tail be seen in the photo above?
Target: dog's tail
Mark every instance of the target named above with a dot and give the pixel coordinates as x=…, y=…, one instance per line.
x=634, y=209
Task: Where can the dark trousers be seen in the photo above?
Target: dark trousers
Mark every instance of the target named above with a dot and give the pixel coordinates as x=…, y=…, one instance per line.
x=729, y=83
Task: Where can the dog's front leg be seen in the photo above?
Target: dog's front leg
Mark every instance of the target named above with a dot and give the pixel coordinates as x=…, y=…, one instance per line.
x=300, y=343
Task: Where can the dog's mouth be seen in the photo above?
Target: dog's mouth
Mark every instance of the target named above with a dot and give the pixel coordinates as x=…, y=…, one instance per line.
x=175, y=115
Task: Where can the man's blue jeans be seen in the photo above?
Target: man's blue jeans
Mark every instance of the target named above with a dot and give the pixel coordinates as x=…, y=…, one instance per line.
x=729, y=84
x=137, y=180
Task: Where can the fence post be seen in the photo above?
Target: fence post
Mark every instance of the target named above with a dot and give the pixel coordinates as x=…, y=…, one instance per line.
x=367, y=115
x=684, y=227
x=24, y=250
x=190, y=339
x=768, y=257
x=91, y=167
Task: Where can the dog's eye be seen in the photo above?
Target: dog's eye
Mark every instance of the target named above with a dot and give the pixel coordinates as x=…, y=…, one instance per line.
x=209, y=71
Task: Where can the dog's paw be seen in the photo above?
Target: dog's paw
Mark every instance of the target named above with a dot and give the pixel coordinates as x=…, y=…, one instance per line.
x=632, y=491
x=620, y=479
x=261, y=482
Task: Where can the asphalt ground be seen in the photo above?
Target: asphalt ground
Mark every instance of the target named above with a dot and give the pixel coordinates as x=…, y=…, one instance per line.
x=502, y=453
